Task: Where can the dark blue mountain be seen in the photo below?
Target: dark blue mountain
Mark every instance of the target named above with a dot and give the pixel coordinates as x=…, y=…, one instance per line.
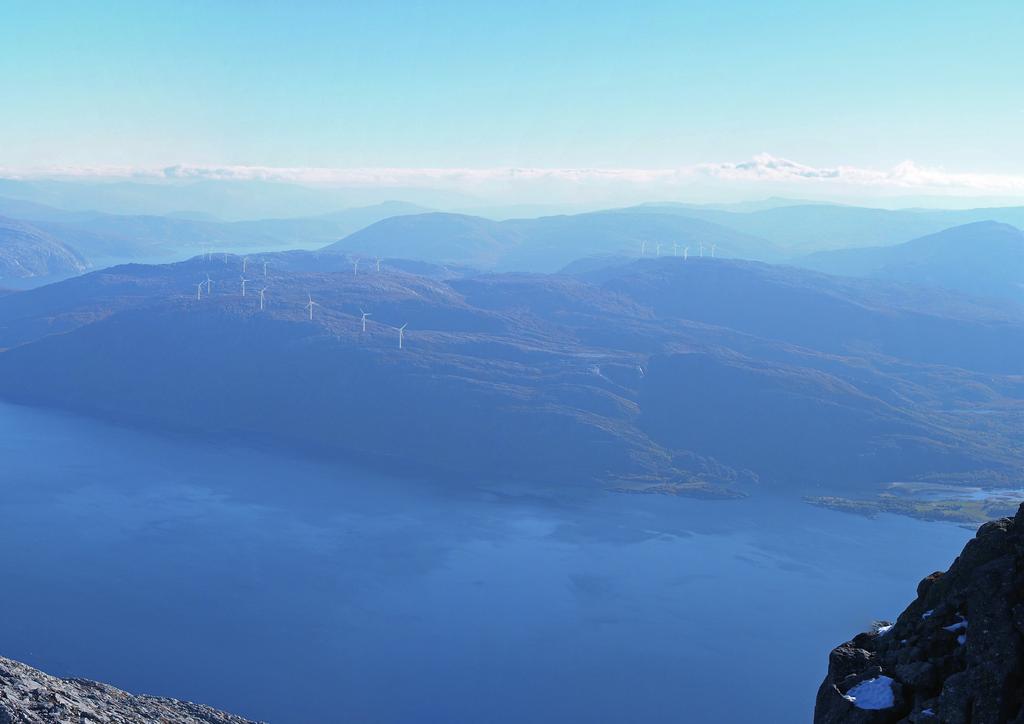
x=984, y=258
x=703, y=374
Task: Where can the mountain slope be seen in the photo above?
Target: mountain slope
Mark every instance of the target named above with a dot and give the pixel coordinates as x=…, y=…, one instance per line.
x=983, y=258
x=27, y=252
x=548, y=378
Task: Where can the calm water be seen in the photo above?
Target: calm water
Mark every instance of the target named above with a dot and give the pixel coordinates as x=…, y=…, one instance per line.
x=297, y=592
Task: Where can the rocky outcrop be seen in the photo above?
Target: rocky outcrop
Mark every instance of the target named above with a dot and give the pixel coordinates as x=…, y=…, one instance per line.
x=29, y=696
x=955, y=655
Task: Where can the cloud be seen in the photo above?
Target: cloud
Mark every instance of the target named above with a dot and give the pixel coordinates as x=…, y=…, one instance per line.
x=763, y=170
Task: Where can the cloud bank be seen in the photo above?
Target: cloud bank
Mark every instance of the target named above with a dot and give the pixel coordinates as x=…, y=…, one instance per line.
x=762, y=170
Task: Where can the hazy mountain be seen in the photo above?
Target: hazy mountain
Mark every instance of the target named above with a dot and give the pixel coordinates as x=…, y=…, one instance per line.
x=27, y=253
x=232, y=200
x=548, y=243
x=658, y=371
x=809, y=227
x=108, y=238
x=984, y=258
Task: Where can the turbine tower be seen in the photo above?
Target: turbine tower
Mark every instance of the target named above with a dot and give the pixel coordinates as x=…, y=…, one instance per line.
x=264, y=270
x=640, y=370
x=378, y=263
x=245, y=263
x=309, y=305
x=713, y=247
x=643, y=248
x=702, y=250
x=355, y=266
x=657, y=249
x=675, y=248
x=261, y=297
x=686, y=253
x=365, y=315
x=401, y=334
x=244, y=281
x=199, y=290
x=209, y=285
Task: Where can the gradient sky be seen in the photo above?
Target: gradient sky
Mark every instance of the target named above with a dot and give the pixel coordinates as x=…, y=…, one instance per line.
x=530, y=84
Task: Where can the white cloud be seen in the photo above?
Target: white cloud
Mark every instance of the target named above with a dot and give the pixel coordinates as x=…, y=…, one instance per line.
x=762, y=170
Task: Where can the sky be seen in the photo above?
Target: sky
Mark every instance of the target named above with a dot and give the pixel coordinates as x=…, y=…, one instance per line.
x=665, y=97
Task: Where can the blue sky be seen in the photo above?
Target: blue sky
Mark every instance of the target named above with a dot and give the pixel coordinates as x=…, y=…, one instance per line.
x=528, y=84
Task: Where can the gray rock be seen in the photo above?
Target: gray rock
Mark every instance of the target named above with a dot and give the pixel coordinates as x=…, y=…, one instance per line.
x=29, y=696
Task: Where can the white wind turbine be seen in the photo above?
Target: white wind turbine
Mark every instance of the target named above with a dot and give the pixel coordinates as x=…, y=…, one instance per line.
x=643, y=248
x=686, y=253
x=355, y=267
x=401, y=334
x=309, y=305
x=702, y=250
x=713, y=247
x=378, y=263
x=199, y=290
x=365, y=315
x=244, y=282
x=209, y=285
x=264, y=270
x=640, y=370
x=675, y=248
x=264, y=289
x=245, y=263
x=657, y=249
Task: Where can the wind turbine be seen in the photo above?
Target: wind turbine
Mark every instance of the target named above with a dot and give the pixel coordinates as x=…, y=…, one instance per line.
x=702, y=250
x=261, y=297
x=640, y=370
x=657, y=249
x=686, y=253
x=643, y=248
x=365, y=315
x=713, y=247
x=378, y=263
x=355, y=266
x=209, y=285
x=244, y=280
x=675, y=248
x=310, y=306
x=264, y=270
x=245, y=263
x=199, y=290
x=401, y=334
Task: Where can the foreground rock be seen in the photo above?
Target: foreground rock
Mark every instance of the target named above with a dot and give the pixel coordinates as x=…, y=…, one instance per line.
x=28, y=696
x=955, y=655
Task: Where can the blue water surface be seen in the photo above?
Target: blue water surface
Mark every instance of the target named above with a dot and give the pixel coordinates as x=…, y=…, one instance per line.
x=296, y=591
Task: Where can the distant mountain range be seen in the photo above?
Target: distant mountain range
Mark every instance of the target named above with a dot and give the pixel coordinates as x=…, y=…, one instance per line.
x=803, y=229
x=694, y=377
x=924, y=249
x=29, y=253
x=107, y=238
x=548, y=243
x=984, y=258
